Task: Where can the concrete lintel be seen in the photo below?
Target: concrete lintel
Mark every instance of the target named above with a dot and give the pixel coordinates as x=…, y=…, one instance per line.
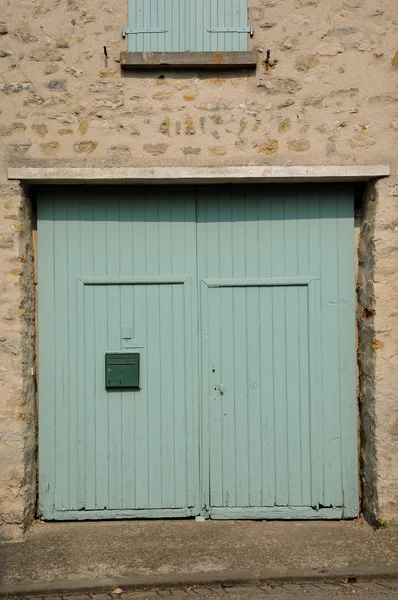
x=163, y=175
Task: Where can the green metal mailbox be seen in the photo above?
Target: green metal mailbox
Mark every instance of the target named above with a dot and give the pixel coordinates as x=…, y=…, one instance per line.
x=122, y=370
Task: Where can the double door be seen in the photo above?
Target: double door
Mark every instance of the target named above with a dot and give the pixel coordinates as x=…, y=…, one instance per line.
x=240, y=304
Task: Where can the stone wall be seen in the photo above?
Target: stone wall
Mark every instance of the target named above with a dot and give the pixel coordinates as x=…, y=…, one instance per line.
x=328, y=95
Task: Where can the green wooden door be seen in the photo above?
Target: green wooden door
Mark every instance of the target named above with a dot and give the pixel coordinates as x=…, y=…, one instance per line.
x=240, y=303
x=278, y=352
x=117, y=272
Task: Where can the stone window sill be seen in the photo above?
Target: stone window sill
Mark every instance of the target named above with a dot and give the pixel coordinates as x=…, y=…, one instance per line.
x=188, y=60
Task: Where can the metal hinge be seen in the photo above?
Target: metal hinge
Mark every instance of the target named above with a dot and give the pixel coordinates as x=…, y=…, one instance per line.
x=232, y=30
x=128, y=31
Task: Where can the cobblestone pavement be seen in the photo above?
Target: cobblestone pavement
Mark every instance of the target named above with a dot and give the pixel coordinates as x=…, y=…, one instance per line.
x=313, y=591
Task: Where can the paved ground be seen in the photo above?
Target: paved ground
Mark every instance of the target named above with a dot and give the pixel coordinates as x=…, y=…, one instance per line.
x=60, y=557
x=125, y=549
x=308, y=591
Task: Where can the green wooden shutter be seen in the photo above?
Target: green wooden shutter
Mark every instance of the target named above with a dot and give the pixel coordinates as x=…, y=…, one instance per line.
x=187, y=25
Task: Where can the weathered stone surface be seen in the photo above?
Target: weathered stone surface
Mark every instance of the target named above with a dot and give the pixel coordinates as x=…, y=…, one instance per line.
x=62, y=42
x=284, y=125
x=189, y=150
x=19, y=148
x=156, y=149
x=106, y=87
x=348, y=93
x=25, y=35
x=298, y=145
x=84, y=19
x=15, y=88
x=109, y=103
x=269, y=147
x=120, y=154
x=50, y=69
x=75, y=71
x=330, y=49
x=190, y=128
x=211, y=106
x=85, y=147
x=306, y=62
x=342, y=31
x=286, y=103
x=49, y=148
x=84, y=125
x=362, y=141
x=288, y=44
x=59, y=85
x=133, y=130
x=40, y=128
x=315, y=101
x=6, y=241
x=12, y=129
x=218, y=150
x=165, y=126
x=46, y=54
x=189, y=96
x=279, y=85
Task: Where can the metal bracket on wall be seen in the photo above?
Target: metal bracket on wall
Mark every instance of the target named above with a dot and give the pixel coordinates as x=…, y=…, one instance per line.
x=232, y=30
x=128, y=31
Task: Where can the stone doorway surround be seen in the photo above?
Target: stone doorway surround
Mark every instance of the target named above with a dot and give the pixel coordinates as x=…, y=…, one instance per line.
x=366, y=175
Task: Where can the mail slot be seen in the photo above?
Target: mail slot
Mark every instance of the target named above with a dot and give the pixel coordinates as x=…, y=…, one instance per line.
x=122, y=370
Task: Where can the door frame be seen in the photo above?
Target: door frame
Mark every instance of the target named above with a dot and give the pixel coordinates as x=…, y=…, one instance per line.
x=50, y=174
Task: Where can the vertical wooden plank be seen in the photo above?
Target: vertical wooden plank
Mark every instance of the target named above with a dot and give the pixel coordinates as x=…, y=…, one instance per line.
x=266, y=353
x=169, y=403
x=87, y=400
x=207, y=381
x=304, y=366
x=279, y=352
x=254, y=399
x=102, y=399
x=46, y=312
x=214, y=37
x=140, y=438
x=304, y=396
x=61, y=351
x=181, y=424
x=132, y=20
x=207, y=36
x=293, y=396
x=114, y=345
x=330, y=351
x=154, y=433
x=314, y=314
x=74, y=235
x=127, y=319
x=191, y=328
x=239, y=372
x=292, y=353
x=215, y=370
x=347, y=343
x=184, y=477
